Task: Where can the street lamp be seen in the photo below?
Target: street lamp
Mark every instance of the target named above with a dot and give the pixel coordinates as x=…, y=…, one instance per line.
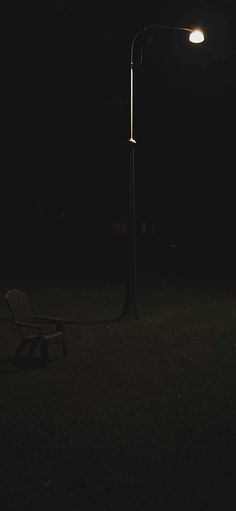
x=129, y=310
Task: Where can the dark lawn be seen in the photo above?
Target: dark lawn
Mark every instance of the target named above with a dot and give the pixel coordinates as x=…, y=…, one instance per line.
x=141, y=416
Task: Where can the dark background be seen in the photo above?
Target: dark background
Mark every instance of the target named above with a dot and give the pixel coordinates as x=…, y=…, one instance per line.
x=66, y=160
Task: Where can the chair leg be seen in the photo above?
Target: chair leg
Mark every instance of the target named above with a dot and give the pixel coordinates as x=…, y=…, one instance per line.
x=33, y=347
x=44, y=350
x=64, y=349
x=20, y=348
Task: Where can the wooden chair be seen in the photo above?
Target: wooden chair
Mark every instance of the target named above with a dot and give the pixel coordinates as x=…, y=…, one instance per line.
x=42, y=331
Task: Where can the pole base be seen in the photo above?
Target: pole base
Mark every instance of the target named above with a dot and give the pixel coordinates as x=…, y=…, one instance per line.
x=129, y=312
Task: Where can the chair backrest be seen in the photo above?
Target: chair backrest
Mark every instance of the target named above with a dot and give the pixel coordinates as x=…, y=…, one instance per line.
x=19, y=306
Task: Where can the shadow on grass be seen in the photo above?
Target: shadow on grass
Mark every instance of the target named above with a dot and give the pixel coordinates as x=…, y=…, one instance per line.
x=13, y=365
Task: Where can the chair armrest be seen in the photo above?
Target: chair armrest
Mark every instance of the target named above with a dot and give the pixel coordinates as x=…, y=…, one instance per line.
x=49, y=319
x=29, y=325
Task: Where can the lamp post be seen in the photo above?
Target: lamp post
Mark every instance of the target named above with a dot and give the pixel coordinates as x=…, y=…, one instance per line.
x=130, y=310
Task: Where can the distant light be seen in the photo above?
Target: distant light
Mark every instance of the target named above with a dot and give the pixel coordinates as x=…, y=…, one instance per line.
x=196, y=36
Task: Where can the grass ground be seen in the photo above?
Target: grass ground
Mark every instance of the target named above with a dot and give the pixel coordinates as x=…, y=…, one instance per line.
x=142, y=414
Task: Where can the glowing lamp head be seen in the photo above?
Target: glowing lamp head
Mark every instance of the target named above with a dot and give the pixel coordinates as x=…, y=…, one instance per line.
x=196, y=36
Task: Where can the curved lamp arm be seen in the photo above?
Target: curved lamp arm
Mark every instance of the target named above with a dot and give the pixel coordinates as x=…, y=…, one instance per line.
x=196, y=36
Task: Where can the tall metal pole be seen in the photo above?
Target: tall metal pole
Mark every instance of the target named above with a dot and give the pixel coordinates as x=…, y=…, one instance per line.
x=130, y=310
x=130, y=306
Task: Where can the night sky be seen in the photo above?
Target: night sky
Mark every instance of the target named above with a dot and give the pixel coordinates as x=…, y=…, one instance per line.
x=67, y=130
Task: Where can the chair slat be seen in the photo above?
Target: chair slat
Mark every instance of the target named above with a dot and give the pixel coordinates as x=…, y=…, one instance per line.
x=19, y=305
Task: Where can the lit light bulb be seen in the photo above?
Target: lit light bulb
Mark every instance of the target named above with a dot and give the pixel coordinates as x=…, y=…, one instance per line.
x=196, y=36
